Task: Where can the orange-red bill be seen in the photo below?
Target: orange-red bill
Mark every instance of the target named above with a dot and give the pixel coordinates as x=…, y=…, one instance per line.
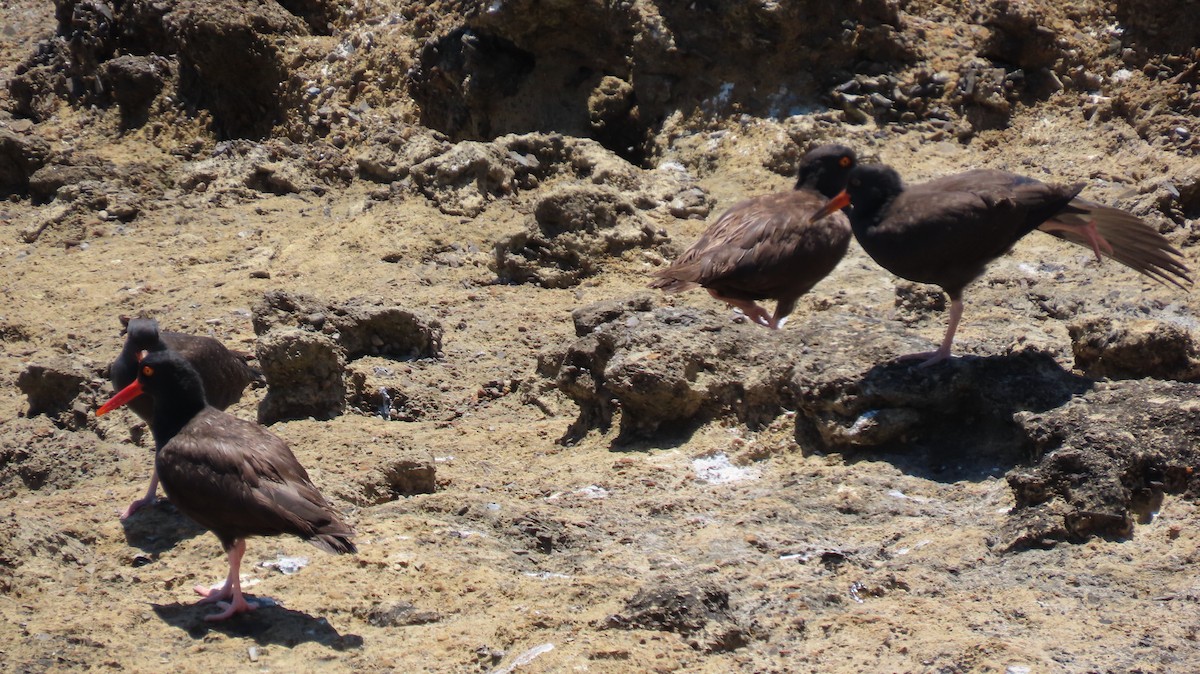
x=123, y=396
x=834, y=205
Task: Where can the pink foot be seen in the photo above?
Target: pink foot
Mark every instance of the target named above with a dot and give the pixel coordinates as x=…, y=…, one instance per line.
x=231, y=602
x=927, y=357
x=231, y=608
x=138, y=505
x=150, y=498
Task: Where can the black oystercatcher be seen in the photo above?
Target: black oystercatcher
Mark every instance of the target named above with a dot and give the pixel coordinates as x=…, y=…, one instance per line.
x=947, y=230
x=771, y=247
x=231, y=476
x=225, y=375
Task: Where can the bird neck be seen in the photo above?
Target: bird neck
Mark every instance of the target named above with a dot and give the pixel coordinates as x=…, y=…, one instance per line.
x=869, y=210
x=173, y=412
x=820, y=181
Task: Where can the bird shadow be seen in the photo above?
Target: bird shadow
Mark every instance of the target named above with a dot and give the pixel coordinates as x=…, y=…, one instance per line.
x=948, y=422
x=270, y=624
x=159, y=527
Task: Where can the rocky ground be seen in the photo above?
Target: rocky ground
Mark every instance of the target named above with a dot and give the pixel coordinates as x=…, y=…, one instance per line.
x=433, y=224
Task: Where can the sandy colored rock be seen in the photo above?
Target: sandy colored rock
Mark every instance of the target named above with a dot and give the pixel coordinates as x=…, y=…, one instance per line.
x=790, y=501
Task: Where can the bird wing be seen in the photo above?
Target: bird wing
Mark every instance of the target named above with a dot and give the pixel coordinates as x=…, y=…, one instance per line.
x=759, y=238
x=225, y=373
x=946, y=230
x=1135, y=243
x=235, y=476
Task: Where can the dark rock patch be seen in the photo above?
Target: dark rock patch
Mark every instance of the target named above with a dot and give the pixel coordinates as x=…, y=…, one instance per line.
x=615, y=72
x=897, y=406
x=230, y=64
x=1132, y=349
x=700, y=614
x=222, y=57
x=135, y=81
x=21, y=155
x=1107, y=459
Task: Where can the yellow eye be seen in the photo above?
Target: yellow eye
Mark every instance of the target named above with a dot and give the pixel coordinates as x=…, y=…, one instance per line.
x=147, y=370
x=845, y=162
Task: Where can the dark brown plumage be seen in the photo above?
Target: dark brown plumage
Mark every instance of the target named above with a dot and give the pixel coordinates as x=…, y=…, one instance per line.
x=225, y=374
x=769, y=247
x=946, y=231
x=231, y=476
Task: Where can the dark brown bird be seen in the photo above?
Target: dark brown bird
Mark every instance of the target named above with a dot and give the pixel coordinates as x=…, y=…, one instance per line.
x=225, y=375
x=233, y=477
x=946, y=231
x=771, y=247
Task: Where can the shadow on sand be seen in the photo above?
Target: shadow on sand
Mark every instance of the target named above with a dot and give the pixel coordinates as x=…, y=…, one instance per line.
x=159, y=527
x=947, y=422
x=270, y=624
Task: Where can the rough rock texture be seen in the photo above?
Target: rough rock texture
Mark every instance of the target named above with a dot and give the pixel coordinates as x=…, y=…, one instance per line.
x=485, y=77
x=667, y=370
x=700, y=614
x=575, y=230
x=63, y=389
x=20, y=157
x=896, y=405
x=1124, y=350
x=135, y=81
x=305, y=374
x=359, y=328
x=775, y=501
x=1106, y=460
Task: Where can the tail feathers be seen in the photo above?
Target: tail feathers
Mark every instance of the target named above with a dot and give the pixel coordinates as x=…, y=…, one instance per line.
x=337, y=543
x=672, y=285
x=257, y=378
x=1135, y=243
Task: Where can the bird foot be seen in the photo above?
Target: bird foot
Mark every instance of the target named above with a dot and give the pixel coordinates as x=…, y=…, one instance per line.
x=230, y=601
x=1098, y=243
x=230, y=609
x=212, y=595
x=927, y=358
x=138, y=505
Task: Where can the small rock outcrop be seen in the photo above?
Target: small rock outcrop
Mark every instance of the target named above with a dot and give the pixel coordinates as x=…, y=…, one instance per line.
x=1133, y=349
x=1106, y=459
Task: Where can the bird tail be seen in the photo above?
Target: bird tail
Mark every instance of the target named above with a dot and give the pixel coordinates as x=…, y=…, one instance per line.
x=257, y=378
x=337, y=543
x=1131, y=241
x=672, y=285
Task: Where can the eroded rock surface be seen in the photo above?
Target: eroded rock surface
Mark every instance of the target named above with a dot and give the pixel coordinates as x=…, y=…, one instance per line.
x=1138, y=348
x=306, y=375
x=701, y=614
x=1106, y=459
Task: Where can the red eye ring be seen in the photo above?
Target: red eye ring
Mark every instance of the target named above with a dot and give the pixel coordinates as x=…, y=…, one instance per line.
x=845, y=162
x=147, y=371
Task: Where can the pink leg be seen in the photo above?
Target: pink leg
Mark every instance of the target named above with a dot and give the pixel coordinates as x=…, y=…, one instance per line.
x=229, y=597
x=1087, y=231
x=943, y=351
x=755, y=313
x=149, y=499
